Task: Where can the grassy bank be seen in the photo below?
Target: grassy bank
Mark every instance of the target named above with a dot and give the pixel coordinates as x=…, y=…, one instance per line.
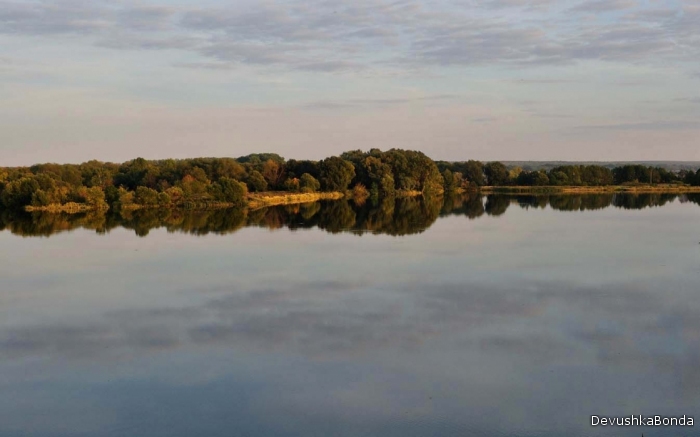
x=255, y=200
x=632, y=189
x=259, y=200
x=183, y=205
x=70, y=208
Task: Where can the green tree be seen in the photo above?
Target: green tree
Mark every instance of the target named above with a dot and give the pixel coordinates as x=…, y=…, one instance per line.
x=175, y=194
x=146, y=196
x=40, y=198
x=163, y=199
x=336, y=174
x=19, y=193
x=496, y=174
x=126, y=197
x=292, y=185
x=94, y=197
x=230, y=191
x=308, y=183
x=473, y=171
x=256, y=182
x=450, y=183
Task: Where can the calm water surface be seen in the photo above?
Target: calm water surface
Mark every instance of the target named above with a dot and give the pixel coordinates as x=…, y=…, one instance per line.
x=499, y=316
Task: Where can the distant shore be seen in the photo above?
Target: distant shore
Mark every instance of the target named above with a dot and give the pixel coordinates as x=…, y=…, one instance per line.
x=255, y=201
x=274, y=198
x=630, y=189
x=70, y=208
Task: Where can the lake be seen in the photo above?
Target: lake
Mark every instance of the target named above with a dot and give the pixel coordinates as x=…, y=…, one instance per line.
x=466, y=316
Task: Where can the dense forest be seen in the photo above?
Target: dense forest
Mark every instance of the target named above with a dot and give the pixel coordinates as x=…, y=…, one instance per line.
x=203, y=182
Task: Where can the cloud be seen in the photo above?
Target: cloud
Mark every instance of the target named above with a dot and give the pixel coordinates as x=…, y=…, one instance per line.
x=6, y=64
x=694, y=100
x=147, y=18
x=542, y=81
x=204, y=65
x=644, y=126
x=346, y=36
x=600, y=6
x=365, y=103
x=484, y=119
x=526, y=4
x=326, y=319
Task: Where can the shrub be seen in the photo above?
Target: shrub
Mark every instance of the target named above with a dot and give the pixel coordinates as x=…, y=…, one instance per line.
x=309, y=184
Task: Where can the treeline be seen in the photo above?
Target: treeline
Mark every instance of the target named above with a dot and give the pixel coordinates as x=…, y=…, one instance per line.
x=205, y=182
x=497, y=174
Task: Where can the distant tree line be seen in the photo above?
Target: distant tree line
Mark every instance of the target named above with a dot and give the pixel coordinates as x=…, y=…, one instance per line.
x=202, y=181
x=497, y=174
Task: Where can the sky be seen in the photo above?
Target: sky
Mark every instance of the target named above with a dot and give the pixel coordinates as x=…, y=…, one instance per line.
x=470, y=79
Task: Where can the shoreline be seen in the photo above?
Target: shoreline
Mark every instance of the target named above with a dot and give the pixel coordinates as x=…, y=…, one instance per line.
x=70, y=208
x=254, y=201
x=273, y=198
x=552, y=189
x=276, y=198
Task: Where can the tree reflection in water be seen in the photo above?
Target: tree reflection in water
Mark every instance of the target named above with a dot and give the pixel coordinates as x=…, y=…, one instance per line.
x=391, y=216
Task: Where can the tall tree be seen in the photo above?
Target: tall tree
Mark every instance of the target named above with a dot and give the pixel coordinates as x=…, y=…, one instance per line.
x=336, y=173
x=496, y=173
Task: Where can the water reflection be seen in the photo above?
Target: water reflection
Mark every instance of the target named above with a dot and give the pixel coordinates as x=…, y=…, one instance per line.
x=520, y=325
x=402, y=216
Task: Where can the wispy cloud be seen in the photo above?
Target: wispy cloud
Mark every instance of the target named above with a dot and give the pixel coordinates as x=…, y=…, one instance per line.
x=644, y=126
x=351, y=36
x=599, y=6
x=694, y=100
x=364, y=103
x=351, y=58
x=542, y=81
x=484, y=119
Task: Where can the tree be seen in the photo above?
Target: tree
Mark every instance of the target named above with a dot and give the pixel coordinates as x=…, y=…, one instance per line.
x=146, y=196
x=163, y=199
x=527, y=178
x=126, y=197
x=258, y=158
x=292, y=184
x=379, y=174
x=194, y=184
x=40, y=198
x=94, y=197
x=308, y=183
x=496, y=173
x=473, y=171
x=256, y=182
x=273, y=173
x=514, y=173
x=19, y=192
x=230, y=191
x=175, y=194
x=450, y=182
x=227, y=167
x=131, y=173
x=336, y=174
x=540, y=178
x=297, y=168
